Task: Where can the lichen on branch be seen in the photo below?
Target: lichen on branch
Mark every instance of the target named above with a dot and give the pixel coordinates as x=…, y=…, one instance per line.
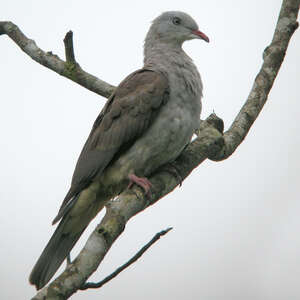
x=53, y=62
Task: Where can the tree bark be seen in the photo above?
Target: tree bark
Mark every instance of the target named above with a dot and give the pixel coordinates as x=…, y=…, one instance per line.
x=211, y=143
x=68, y=68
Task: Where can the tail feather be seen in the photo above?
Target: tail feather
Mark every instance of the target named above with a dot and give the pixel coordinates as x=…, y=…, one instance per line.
x=75, y=218
x=54, y=254
x=64, y=209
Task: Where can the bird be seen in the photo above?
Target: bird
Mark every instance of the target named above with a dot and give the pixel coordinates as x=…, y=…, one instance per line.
x=146, y=123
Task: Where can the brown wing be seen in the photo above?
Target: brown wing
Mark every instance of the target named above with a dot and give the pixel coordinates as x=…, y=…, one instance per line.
x=125, y=117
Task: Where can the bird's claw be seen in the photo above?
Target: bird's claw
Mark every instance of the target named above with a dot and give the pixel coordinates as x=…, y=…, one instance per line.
x=173, y=170
x=142, y=182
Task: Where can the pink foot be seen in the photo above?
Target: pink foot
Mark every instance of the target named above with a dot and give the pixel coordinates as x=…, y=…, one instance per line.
x=143, y=182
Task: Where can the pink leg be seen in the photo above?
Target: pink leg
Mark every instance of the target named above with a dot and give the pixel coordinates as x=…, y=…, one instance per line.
x=143, y=182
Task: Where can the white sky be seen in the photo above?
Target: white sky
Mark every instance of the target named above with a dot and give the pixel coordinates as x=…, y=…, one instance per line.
x=236, y=223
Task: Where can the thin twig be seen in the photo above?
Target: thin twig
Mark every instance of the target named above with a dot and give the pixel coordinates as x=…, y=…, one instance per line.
x=96, y=285
x=69, y=48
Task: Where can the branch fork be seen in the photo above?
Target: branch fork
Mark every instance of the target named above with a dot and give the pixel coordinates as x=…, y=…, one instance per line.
x=211, y=143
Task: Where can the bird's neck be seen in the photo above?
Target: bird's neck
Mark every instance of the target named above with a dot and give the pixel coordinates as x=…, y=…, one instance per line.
x=174, y=63
x=162, y=53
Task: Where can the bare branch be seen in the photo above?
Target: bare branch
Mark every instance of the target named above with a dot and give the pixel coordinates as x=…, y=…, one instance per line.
x=210, y=143
x=49, y=60
x=92, y=285
x=69, y=48
x=273, y=57
x=128, y=204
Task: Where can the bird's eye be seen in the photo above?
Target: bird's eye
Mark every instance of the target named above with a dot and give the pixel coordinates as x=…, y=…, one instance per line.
x=176, y=20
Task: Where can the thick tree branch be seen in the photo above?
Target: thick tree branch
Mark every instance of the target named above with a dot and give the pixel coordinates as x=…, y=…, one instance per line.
x=210, y=143
x=273, y=57
x=48, y=59
x=128, y=204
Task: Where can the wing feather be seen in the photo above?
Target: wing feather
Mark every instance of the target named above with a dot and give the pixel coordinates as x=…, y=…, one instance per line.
x=125, y=117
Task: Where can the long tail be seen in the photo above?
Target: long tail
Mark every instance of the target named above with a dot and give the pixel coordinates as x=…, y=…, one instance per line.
x=64, y=238
x=54, y=254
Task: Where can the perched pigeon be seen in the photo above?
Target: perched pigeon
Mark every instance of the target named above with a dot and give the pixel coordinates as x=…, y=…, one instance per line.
x=145, y=124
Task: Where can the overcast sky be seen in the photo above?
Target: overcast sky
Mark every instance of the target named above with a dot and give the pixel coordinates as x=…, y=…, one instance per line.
x=236, y=223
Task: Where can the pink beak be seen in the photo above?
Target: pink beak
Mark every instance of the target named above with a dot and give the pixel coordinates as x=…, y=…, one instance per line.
x=201, y=35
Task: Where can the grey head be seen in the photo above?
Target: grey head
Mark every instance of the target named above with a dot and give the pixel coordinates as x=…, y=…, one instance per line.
x=174, y=27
